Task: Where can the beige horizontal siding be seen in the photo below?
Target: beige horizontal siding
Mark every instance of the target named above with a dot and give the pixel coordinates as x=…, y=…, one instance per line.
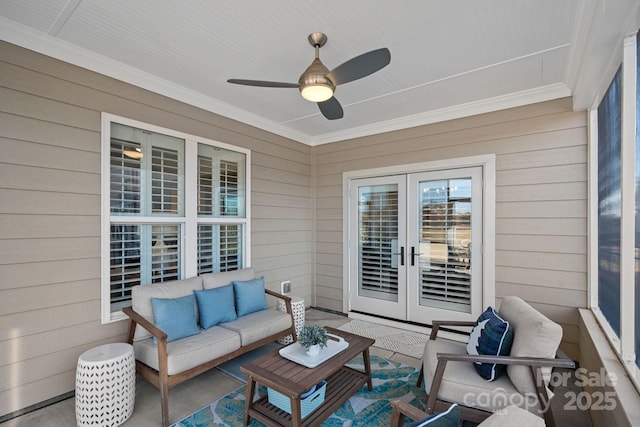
x=50, y=185
x=541, y=199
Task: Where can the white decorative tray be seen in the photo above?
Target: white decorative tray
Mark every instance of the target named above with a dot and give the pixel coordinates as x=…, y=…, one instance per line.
x=297, y=353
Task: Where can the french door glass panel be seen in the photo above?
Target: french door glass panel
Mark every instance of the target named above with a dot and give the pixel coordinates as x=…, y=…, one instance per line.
x=378, y=241
x=377, y=236
x=445, y=236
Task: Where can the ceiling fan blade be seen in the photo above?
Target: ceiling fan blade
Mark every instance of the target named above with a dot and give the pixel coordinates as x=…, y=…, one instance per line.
x=331, y=109
x=360, y=66
x=262, y=83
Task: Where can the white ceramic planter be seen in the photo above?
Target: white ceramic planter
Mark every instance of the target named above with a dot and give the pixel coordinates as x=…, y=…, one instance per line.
x=314, y=350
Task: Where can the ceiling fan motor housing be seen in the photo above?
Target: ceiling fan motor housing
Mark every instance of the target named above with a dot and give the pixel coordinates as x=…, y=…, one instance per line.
x=314, y=85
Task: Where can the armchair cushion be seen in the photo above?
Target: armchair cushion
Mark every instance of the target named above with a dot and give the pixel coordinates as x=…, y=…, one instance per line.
x=461, y=383
x=449, y=418
x=534, y=335
x=492, y=335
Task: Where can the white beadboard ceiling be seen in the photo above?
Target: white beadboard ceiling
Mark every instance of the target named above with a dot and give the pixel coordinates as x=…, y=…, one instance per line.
x=449, y=58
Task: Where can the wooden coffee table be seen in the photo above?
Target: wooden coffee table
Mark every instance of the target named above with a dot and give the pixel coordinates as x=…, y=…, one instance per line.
x=292, y=380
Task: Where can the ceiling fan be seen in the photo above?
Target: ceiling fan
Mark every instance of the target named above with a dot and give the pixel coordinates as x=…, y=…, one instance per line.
x=317, y=83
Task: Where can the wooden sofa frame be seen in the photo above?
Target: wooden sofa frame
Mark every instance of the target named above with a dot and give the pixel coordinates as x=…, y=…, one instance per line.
x=163, y=381
x=478, y=415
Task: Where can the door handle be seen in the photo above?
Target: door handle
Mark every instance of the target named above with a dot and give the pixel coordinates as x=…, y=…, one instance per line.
x=413, y=255
x=401, y=253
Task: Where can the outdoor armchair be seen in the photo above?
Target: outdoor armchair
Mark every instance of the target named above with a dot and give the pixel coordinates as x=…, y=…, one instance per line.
x=450, y=377
x=509, y=416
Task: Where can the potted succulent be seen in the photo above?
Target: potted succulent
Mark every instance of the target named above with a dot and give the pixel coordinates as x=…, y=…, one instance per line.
x=313, y=338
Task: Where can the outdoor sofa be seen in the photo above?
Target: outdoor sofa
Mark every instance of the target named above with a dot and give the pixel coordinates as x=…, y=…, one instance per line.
x=219, y=326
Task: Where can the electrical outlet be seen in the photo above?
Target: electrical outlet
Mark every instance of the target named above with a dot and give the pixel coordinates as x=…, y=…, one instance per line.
x=285, y=286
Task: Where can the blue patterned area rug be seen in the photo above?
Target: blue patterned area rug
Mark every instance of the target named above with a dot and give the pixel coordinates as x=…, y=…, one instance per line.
x=391, y=380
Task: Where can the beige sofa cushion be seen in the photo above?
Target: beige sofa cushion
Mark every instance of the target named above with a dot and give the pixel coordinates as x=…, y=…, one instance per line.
x=189, y=352
x=215, y=280
x=534, y=335
x=259, y=324
x=141, y=298
x=462, y=384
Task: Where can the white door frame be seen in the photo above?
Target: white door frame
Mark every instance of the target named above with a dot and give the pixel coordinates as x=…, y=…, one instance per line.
x=488, y=163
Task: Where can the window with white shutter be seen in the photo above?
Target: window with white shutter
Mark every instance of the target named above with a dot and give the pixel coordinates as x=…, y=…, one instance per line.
x=221, y=201
x=155, y=210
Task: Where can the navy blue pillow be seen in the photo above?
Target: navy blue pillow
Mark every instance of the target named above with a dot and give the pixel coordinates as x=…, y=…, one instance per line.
x=250, y=296
x=449, y=418
x=215, y=306
x=493, y=336
x=175, y=316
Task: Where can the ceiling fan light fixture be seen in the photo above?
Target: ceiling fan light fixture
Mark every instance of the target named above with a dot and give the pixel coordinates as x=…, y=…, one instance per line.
x=316, y=92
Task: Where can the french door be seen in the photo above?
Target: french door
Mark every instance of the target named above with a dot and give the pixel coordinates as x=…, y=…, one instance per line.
x=415, y=245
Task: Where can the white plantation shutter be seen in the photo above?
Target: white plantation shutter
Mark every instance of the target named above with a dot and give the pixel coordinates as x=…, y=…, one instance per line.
x=220, y=180
x=378, y=234
x=126, y=270
x=125, y=178
x=219, y=247
x=165, y=175
x=206, y=194
x=165, y=253
x=230, y=247
x=445, y=244
x=228, y=188
x=142, y=186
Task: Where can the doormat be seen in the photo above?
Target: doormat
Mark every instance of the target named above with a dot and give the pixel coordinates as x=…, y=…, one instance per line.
x=391, y=380
x=398, y=340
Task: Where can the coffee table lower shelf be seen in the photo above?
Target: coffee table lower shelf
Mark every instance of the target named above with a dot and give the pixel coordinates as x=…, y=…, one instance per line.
x=340, y=387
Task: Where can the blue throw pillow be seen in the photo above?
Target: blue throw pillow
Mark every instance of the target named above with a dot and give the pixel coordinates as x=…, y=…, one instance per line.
x=449, y=418
x=176, y=317
x=250, y=296
x=216, y=306
x=493, y=336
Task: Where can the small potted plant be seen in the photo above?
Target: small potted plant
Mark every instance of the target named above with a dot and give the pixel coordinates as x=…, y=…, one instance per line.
x=313, y=338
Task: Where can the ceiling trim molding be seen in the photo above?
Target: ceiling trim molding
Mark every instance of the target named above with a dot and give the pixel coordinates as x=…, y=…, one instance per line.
x=518, y=99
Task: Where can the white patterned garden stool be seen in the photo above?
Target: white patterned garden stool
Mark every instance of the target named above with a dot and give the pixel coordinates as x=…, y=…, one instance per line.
x=105, y=385
x=297, y=306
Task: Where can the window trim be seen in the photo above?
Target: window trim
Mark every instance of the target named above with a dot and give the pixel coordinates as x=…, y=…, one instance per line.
x=623, y=346
x=190, y=219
